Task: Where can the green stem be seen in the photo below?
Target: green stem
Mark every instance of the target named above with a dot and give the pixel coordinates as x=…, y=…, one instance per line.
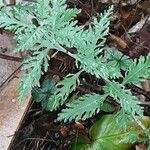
x=62, y=49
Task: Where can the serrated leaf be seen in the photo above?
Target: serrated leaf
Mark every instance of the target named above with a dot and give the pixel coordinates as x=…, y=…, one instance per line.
x=31, y=79
x=29, y=39
x=88, y=49
x=105, y=134
x=64, y=88
x=138, y=71
x=43, y=9
x=82, y=108
x=128, y=102
x=11, y=23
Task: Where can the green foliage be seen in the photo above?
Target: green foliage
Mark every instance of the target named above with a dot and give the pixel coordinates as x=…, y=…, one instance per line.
x=107, y=107
x=34, y=66
x=48, y=91
x=42, y=94
x=3, y=3
x=50, y=25
x=83, y=107
x=117, y=59
x=105, y=134
x=123, y=96
x=64, y=88
x=138, y=71
x=128, y=102
x=88, y=49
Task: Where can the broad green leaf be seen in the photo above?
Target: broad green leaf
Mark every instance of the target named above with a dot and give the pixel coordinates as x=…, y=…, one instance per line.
x=43, y=93
x=105, y=135
x=148, y=148
x=107, y=107
x=122, y=61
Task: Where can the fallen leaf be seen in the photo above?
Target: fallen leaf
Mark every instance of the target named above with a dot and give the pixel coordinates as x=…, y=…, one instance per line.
x=118, y=41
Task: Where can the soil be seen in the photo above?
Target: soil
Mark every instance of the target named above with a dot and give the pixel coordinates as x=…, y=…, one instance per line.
x=39, y=129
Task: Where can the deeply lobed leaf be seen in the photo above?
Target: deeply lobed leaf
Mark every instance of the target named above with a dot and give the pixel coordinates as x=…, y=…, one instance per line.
x=138, y=71
x=129, y=103
x=34, y=66
x=64, y=88
x=82, y=108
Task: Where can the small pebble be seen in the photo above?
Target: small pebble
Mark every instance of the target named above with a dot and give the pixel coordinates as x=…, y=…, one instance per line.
x=57, y=135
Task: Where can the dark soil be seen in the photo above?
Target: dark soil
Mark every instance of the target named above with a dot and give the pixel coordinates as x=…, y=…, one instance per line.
x=40, y=131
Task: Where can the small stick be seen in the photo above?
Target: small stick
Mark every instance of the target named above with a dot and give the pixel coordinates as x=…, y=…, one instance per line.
x=12, y=2
x=12, y=58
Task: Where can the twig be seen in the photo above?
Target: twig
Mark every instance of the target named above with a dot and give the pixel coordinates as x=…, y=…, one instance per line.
x=82, y=6
x=145, y=103
x=138, y=90
x=9, y=78
x=138, y=26
x=128, y=36
x=92, y=5
x=12, y=2
x=12, y=58
x=39, y=139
